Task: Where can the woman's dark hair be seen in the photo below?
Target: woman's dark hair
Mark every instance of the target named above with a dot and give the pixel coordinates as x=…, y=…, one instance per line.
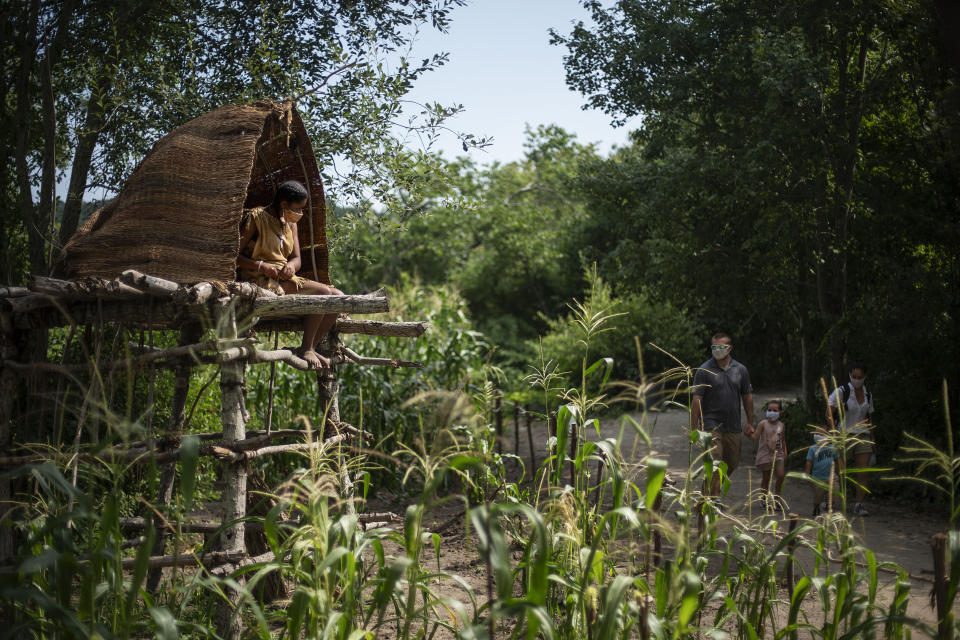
x=290, y=191
x=857, y=364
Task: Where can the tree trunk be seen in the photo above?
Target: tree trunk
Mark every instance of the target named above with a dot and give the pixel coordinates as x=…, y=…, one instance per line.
x=8, y=396
x=48, y=196
x=46, y=209
x=27, y=53
x=87, y=139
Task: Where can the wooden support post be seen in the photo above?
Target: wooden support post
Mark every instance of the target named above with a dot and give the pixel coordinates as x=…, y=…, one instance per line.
x=273, y=378
x=552, y=431
x=328, y=388
x=657, y=536
x=516, y=430
x=498, y=421
x=789, y=569
x=234, y=499
x=168, y=474
x=940, y=583
x=700, y=505
x=8, y=396
x=528, y=418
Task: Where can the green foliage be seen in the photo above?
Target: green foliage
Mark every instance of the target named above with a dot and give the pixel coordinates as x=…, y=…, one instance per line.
x=786, y=183
x=72, y=578
x=501, y=235
x=944, y=463
x=91, y=86
x=635, y=315
x=574, y=560
x=373, y=398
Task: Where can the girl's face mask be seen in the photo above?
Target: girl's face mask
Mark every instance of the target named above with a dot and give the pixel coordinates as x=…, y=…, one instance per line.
x=773, y=415
x=291, y=216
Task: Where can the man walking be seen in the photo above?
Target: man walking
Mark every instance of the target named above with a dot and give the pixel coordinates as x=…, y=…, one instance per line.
x=720, y=386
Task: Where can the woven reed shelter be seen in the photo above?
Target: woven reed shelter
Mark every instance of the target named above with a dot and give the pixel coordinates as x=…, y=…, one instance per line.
x=178, y=216
x=162, y=257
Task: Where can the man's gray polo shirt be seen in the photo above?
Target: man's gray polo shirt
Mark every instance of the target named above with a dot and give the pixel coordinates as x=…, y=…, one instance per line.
x=720, y=393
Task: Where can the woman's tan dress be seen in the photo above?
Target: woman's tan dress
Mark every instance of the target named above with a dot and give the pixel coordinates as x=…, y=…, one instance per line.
x=272, y=243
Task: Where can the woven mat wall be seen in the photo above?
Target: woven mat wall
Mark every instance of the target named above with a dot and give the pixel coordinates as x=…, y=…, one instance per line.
x=178, y=215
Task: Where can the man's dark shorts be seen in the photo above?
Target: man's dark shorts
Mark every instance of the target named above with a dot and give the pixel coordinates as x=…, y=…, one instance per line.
x=726, y=447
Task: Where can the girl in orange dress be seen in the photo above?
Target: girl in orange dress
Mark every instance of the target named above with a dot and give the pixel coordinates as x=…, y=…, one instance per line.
x=270, y=257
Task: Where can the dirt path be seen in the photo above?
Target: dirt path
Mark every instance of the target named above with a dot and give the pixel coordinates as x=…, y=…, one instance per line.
x=894, y=532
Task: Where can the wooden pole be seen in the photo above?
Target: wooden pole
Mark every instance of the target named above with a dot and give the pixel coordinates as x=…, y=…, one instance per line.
x=168, y=474
x=150, y=285
x=234, y=500
x=86, y=288
x=516, y=430
x=498, y=421
x=250, y=448
x=273, y=376
x=940, y=582
x=528, y=418
x=328, y=389
x=305, y=305
x=657, y=535
x=552, y=431
x=8, y=396
x=794, y=518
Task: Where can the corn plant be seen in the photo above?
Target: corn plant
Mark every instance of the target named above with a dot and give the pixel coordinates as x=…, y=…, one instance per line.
x=69, y=581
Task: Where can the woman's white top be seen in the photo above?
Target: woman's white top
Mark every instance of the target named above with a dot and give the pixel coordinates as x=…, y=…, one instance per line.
x=855, y=413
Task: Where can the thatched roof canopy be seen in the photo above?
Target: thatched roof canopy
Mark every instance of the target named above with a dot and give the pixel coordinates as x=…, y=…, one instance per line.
x=178, y=216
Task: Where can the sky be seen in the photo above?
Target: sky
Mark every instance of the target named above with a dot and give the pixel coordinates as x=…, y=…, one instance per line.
x=505, y=73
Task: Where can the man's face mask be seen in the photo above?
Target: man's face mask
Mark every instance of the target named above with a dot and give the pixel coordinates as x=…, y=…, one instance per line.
x=720, y=351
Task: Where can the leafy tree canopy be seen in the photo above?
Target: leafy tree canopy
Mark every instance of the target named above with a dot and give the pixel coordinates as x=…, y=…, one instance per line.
x=89, y=86
x=794, y=177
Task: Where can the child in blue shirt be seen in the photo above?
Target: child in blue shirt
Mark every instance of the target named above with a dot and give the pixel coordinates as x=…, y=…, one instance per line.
x=821, y=457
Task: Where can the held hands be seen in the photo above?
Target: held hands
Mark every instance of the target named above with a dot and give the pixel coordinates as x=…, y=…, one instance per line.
x=274, y=273
x=270, y=271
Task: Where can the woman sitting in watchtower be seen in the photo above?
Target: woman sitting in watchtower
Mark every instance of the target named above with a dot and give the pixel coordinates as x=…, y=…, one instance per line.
x=270, y=257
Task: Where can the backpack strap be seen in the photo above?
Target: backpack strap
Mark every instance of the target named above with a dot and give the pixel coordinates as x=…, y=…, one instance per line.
x=845, y=391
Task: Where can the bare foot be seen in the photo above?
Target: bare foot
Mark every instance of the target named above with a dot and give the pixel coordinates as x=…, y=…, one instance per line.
x=314, y=359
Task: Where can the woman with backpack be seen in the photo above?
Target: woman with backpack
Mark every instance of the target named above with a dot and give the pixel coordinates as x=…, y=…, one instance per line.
x=857, y=407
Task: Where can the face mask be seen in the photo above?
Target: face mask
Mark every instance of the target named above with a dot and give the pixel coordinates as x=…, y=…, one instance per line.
x=292, y=216
x=773, y=415
x=720, y=351
x=856, y=382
